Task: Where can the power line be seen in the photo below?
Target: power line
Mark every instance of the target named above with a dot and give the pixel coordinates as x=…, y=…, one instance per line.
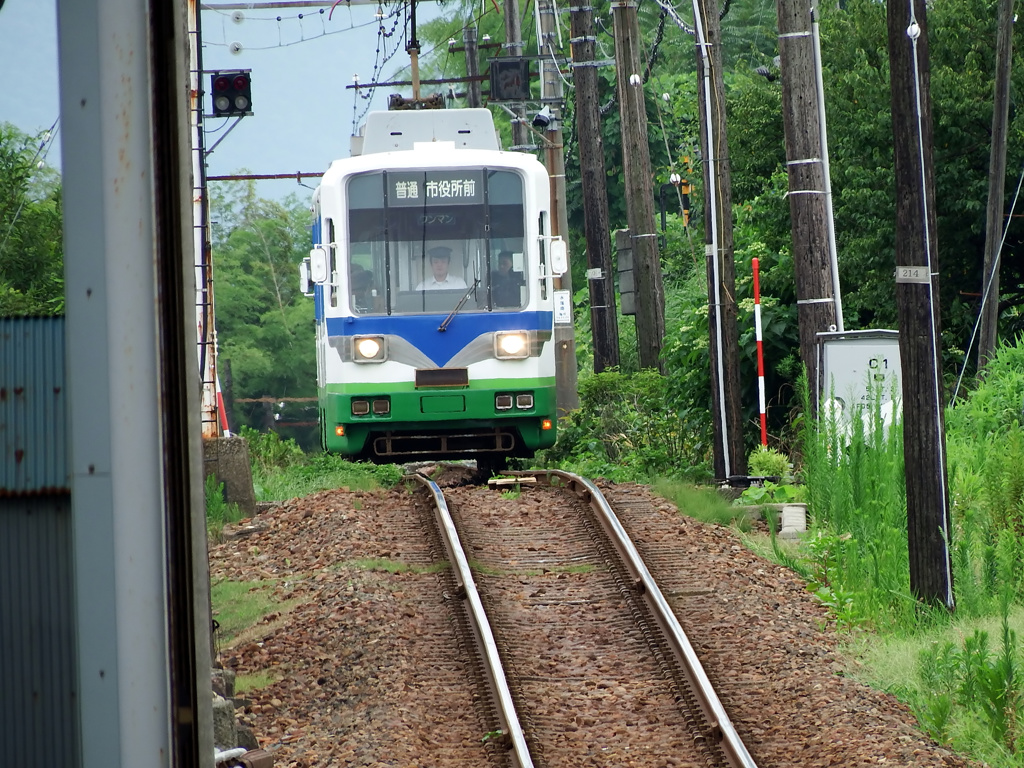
x=41, y=151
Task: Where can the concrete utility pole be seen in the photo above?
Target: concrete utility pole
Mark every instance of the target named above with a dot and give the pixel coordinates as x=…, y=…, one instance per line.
x=917, y=300
x=636, y=161
x=816, y=300
x=138, y=550
x=600, y=272
x=514, y=47
x=729, y=456
x=996, y=181
x=551, y=96
x=473, y=97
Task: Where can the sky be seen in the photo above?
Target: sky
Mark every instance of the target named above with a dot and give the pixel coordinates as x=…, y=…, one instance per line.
x=303, y=112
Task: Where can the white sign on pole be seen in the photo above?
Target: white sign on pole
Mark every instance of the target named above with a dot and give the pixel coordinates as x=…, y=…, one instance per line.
x=563, y=308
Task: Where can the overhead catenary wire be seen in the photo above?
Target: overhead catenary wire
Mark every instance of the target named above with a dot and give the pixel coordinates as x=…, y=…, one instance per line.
x=651, y=57
x=224, y=43
x=988, y=287
x=453, y=33
x=378, y=65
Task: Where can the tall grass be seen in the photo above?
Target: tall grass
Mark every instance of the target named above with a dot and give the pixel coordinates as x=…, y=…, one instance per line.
x=853, y=469
x=985, y=447
x=968, y=691
x=856, y=490
x=218, y=511
x=280, y=469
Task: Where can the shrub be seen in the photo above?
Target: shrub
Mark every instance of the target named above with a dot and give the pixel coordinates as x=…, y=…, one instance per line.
x=997, y=404
x=769, y=462
x=624, y=430
x=267, y=451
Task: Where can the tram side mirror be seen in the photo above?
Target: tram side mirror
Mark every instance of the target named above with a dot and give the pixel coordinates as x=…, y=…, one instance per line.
x=318, y=265
x=304, y=277
x=559, y=257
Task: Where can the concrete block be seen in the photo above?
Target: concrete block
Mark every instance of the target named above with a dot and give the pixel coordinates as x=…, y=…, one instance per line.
x=793, y=520
x=225, y=728
x=223, y=682
x=227, y=459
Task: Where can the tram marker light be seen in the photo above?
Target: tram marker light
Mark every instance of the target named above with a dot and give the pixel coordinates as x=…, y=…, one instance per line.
x=318, y=265
x=559, y=257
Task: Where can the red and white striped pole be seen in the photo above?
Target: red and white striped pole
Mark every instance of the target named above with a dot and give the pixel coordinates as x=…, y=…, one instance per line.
x=760, y=354
x=225, y=432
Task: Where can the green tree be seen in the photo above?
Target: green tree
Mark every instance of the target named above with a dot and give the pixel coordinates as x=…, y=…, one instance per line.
x=31, y=238
x=264, y=324
x=856, y=77
x=961, y=35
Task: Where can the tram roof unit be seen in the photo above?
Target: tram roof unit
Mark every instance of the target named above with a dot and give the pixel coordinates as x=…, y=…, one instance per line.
x=399, y=130
x=415, y=139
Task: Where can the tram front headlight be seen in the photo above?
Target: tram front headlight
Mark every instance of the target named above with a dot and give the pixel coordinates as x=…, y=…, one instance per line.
x=511, y=345
x=369, y=349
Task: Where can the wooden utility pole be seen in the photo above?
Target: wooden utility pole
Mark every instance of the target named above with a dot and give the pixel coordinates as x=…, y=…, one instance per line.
x=917, y=300
x=729, y=456
x=473, y=97
x=816, y=301
x=996, y=182
x=600, y=272
x=514, y=47
x=551, y=96
x=636, y=161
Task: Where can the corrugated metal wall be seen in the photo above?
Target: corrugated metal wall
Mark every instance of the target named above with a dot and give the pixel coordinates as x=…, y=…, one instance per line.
x=33, y=404
x=37, y=640
x=38, y=679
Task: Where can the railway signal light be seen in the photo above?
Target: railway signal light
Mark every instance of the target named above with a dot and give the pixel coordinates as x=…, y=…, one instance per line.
x=510, y=79
x=232, y=93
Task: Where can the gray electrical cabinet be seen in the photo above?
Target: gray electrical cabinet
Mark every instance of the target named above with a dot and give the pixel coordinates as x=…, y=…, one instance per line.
x=858, y=367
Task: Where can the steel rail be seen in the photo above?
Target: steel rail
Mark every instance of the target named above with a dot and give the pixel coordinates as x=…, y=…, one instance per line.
x=722, y=729
x=500, y=693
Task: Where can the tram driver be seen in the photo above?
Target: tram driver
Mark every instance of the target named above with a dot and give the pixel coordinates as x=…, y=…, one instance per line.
x=440, y=279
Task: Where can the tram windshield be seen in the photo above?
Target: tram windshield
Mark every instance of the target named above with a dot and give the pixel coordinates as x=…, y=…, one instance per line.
x=420, y=240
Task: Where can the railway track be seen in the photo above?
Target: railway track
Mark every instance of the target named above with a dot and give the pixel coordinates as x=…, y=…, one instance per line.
x=583, y=660
x=371, y=658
